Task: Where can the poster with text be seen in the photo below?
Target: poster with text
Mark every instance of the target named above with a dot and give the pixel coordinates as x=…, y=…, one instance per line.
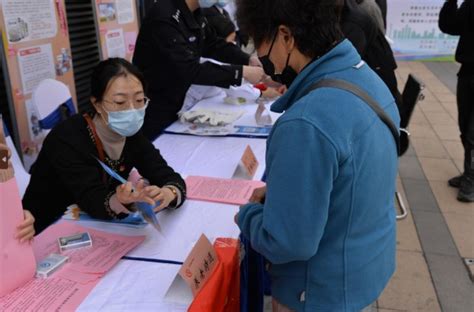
x=412, y=25
x=35, y=42
x=117, y=25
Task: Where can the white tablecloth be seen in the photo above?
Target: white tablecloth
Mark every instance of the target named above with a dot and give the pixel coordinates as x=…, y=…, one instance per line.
x=209, y=156
x=141, y=286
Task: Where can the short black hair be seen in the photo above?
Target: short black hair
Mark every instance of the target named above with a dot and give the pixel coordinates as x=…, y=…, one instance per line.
x=314, y=23
x=110, y=69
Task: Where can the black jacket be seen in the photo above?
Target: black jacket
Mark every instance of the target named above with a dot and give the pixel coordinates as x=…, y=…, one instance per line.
x=383, y=8
x=171, y=41
x=367, y=38
x=372, y=46
x=221, y=22
x=67, y=173
x=460, y=22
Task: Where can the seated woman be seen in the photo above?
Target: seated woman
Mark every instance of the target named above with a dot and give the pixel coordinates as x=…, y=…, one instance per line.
x=67, y=171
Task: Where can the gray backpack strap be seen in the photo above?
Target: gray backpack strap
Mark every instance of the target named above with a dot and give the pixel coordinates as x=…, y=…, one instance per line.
x=352, y=88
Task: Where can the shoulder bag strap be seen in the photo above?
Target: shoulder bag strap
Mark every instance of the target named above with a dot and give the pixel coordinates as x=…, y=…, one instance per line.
x=352, y=88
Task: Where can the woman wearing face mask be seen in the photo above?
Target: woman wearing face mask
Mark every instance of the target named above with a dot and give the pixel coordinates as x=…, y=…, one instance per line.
x=67, y=171
x=326, y=219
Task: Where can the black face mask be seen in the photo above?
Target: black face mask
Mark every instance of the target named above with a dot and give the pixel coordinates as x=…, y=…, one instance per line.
x=287, y=76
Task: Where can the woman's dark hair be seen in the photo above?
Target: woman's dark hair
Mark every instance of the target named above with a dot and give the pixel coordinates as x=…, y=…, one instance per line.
x=314, y=23
x=110, y=69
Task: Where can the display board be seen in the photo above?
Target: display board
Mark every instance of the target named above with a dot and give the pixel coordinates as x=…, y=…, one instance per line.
x=412, y=25
x=117, y=25
x=35, y=42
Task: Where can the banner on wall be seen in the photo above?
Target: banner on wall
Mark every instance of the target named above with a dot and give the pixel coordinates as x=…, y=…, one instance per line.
x=117, y=24
x=36, y=46
x=412, y=25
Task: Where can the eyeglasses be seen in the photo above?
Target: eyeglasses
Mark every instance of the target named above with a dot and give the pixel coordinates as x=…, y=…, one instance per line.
x=122, y=105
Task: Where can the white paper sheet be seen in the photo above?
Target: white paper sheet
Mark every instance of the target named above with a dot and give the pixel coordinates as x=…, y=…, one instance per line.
x=125, y=11
x=36, y=64
x=115, y=43
x=29, y=20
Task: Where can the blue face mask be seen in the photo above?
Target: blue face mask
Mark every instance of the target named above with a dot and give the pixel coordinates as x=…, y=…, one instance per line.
x=207, y=3
x=127, y=122
x=222, y=3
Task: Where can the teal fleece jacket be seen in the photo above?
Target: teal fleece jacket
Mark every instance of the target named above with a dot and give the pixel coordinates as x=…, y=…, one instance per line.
x=328, y=222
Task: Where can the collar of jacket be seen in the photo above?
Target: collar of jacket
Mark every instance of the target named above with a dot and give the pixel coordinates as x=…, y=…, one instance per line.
x=192, y=19
x=341, y=57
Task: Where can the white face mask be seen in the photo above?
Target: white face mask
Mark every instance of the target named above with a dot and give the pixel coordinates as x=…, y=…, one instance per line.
x=128, y=122
x=207, y=3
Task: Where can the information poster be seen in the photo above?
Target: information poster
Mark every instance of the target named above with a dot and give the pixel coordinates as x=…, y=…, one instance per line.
x=412, y=25
x=35, y=41
x=117, y=24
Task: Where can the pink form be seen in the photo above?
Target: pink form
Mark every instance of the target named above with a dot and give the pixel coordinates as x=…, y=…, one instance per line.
x=67, y=288
x=227, y=191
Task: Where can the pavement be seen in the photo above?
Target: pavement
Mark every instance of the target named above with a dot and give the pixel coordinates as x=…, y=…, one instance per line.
x=437, y=237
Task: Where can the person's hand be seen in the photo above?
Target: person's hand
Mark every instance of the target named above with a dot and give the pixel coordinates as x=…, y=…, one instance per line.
x=272, y=83
x=271, y=93
x=258, y=195
x=127, y=195
x=255, y=61
x=26, y=229
x=282, y=89
x=164, y=195
x=253, y=74
x=3, y=147
x=231, y=37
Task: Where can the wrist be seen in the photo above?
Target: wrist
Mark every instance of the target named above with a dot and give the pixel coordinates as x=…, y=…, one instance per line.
x=177, y=197
x=172, y=190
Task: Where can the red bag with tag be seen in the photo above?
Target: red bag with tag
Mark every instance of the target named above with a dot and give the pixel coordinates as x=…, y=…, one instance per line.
x=222, y=290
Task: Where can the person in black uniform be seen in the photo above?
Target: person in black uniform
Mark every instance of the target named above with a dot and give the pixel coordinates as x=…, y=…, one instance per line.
x=172, y=39
x=219, y=19
x=459, y=21
x=67, y=171
x=372, y=45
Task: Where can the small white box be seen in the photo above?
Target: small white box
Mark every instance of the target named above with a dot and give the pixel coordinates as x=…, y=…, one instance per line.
x=50, y=264
x=75, y=241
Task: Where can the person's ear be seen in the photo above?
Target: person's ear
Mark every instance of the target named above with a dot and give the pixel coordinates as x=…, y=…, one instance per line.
x=95, y=104
x=287, y=36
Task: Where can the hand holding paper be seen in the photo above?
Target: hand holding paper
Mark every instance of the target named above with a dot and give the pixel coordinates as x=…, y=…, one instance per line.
x=258, y=195
x=125, y=194
x=26, y=230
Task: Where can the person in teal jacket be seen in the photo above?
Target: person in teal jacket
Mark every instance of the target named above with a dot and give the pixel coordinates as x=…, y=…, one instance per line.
x=326, y=219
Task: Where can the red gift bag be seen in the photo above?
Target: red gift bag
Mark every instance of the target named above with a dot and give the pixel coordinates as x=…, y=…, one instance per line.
x=222, y=290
